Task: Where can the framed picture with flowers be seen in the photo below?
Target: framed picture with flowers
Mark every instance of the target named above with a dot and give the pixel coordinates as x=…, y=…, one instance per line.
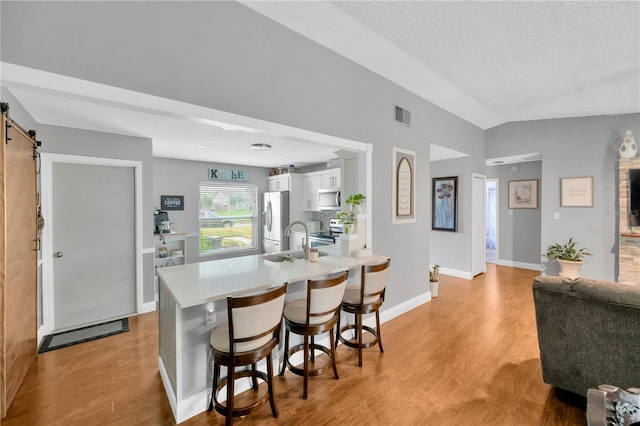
x=444, y=214
x=523, y=194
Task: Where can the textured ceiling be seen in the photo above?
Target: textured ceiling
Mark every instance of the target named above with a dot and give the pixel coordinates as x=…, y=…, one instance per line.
x=487, y=62
x=509, y=61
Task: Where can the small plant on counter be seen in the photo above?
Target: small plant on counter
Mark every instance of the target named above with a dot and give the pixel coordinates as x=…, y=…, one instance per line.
x=567, y=251
x=346, y=218
x=433, y=273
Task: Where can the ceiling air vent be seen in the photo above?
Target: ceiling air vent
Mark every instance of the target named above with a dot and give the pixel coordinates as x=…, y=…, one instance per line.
x=403, y=116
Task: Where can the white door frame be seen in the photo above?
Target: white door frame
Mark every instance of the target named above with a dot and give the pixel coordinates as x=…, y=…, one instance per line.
x=497, y=182
x=46, y=188
x=484, y=223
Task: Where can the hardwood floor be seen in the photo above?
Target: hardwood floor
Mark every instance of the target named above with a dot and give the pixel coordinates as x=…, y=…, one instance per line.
x=468, y=357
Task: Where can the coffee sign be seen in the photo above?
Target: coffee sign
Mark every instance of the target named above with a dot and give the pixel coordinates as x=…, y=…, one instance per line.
x=172, y=202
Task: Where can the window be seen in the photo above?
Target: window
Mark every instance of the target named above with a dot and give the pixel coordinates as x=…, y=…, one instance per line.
x=228, y=217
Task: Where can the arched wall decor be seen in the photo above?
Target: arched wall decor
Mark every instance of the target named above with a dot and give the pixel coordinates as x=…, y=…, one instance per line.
x=404, y=164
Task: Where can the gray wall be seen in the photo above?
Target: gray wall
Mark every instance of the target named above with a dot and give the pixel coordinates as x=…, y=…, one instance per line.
x=183, y=177
x=241, y=62
x=63, y=140
x=518, y=232
x=574, y=147
x=451, y=250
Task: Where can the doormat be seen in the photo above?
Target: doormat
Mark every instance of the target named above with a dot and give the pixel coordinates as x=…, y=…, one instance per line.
x=84, y=334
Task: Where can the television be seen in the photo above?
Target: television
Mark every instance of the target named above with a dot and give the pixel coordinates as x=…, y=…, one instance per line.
x=634, y=197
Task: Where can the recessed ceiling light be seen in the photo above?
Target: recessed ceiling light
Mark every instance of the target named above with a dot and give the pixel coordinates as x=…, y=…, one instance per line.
x=200, y=146
x=261, y=147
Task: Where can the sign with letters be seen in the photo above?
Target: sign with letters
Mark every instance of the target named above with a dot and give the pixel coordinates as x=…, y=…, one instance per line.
x=235, y=175
x=172, y=202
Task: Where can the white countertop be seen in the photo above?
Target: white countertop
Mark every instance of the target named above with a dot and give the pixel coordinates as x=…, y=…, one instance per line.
x=198, y=283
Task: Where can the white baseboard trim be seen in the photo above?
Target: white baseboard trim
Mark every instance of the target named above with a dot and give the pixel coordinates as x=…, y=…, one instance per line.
x=521, y=265
x=41, y=334
x=148, y=307
x=198, y=403
x=185, y=409
x=406, y=306
x=456, y=273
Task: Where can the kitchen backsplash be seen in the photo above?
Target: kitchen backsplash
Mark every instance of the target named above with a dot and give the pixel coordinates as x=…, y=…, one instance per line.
x=324, y=218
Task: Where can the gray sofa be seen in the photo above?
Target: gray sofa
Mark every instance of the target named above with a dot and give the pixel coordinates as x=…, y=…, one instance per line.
x=588, y=332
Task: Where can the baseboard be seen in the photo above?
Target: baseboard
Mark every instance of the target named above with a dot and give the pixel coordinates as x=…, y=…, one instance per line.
x=148, y=307
x=190, y=407
x=456, y=273
x=404, y=307
x=41, y=334
x=521, y=265
x=198, y=403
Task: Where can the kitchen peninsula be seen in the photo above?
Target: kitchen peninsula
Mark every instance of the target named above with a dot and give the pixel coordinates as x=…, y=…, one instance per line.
x=192, y=300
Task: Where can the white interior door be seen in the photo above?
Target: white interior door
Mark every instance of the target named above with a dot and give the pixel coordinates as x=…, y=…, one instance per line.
x=93, y=242
x=478, y=265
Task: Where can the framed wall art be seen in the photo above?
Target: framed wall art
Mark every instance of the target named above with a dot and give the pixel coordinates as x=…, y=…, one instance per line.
x=576, y=192
x=404, y=179
x=444, y=204
x=523, y=194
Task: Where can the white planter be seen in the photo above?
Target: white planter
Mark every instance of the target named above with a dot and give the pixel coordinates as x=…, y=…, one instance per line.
x=434, y=288
x=569, y=269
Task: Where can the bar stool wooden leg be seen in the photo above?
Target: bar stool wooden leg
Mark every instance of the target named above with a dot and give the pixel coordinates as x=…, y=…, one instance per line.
x=285, y=357
x=216, y=377
x=378, y=331
x=306, y=366
x=272, y=400
x=359, y=331
x=230, y=393
x=333, y=354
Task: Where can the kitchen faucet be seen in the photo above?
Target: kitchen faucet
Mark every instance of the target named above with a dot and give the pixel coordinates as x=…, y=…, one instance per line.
x=305, y=244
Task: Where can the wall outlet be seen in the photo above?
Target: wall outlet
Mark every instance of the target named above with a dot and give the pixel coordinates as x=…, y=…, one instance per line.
x=556, y=215
x=209, y=316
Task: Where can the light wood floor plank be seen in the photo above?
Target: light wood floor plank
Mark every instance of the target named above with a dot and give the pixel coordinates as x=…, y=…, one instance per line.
x=469, y=357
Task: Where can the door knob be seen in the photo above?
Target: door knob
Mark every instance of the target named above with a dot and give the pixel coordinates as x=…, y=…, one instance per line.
x=58, y=254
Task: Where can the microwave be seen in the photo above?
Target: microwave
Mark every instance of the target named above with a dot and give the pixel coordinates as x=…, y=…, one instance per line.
x=328, y=199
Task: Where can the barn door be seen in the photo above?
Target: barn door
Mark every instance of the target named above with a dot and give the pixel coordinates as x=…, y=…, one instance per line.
x=18, y=261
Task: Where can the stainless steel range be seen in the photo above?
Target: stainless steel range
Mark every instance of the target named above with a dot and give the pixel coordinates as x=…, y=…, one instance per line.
x=317, y=239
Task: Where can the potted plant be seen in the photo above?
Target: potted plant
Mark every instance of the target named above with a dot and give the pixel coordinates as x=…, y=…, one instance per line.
x=354, y=201
x=433, y=279
x=347, y=219
x=568, y=257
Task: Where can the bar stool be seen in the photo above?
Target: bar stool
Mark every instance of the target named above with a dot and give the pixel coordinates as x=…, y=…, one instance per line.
x=315, y=315
x=365, y=298
x=250, y=335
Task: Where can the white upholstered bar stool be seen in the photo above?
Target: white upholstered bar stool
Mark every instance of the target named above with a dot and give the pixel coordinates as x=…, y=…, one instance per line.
x=317, y=314
x=363, y=299
x=252, y=331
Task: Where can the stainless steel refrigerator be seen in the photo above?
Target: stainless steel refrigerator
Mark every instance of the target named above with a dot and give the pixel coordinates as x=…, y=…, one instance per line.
x=275, y=219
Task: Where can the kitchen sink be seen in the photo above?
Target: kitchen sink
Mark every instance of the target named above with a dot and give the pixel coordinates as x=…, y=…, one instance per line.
x=288, y=257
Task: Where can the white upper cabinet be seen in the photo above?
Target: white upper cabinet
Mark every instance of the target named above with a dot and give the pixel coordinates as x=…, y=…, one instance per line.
x=330, y=179
x=279, y=183
x=311, y=186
